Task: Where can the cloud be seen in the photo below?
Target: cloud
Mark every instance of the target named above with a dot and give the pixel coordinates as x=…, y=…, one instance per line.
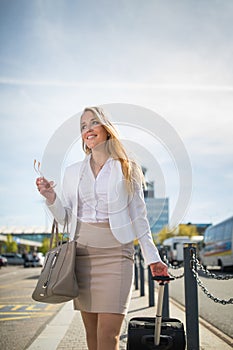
x=115, y=85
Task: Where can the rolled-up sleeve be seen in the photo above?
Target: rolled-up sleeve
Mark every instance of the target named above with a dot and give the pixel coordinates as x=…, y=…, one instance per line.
x=138, y=215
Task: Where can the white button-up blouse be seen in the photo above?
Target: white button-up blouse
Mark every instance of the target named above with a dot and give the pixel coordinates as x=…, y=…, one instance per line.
x=104, y=198
x=92, y=194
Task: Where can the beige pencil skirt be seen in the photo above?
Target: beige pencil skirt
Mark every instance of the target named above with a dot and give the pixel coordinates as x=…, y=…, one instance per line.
x=104, y=269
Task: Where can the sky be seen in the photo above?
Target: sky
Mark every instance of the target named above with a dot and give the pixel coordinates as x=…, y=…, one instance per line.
x=172, y=57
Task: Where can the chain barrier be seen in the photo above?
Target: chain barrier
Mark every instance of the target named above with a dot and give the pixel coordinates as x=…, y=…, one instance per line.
x=174, y=267
x=194, y=262
x=208, y=273
x=176, y=276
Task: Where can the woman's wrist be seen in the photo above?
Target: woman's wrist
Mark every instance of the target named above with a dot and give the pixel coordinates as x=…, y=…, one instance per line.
x=159, y=268
x=50, y=199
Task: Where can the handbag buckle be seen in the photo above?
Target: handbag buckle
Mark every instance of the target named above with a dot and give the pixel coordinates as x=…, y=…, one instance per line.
x=45, y=285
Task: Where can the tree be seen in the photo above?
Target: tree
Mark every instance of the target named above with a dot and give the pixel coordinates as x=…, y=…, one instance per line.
x=187, y=230
x=181, y=230
x=164, y=234
x=45, y=245
x=10, y=245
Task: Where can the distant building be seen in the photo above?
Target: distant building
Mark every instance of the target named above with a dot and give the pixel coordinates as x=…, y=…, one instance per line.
x=157, y=208
x=157, y=213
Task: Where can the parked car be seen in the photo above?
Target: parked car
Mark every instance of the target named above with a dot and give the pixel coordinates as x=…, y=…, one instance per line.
x=41, y=259
x=3, y=261
x=13, y=258
x=31, y=260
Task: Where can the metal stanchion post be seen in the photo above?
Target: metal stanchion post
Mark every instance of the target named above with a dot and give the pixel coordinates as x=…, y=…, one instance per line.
x=142, y=277
x=151, y=286
x=136, y=271
x=191, y=299
x=165, y=310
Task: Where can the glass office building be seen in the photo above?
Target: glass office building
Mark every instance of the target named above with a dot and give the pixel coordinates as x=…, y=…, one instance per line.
x=157, y=209
x=157, y=213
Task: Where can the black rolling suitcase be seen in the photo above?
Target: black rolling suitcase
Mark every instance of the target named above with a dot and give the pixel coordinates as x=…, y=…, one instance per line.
x=151, y=333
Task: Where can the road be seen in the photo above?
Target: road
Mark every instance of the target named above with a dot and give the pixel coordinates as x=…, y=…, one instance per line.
x=221, y=316
x=21, y=318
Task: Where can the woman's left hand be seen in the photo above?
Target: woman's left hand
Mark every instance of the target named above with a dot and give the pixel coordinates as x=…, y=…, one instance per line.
x=159, y=269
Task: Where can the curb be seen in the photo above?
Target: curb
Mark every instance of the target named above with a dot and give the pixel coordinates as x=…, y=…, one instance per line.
x=206, y=324
x=55, y=331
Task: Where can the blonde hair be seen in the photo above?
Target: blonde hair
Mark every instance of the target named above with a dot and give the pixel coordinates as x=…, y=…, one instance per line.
x=131, y=170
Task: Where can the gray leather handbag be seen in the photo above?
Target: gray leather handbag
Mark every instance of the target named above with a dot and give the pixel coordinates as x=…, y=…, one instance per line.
x=58, y=281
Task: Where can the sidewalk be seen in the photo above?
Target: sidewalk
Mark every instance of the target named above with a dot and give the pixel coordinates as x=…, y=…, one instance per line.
x=66, y=331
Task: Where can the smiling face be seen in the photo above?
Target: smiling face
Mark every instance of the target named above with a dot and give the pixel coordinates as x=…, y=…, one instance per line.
x=93, y=132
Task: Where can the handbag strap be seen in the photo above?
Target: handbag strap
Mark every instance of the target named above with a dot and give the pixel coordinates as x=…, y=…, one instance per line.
x=54, y=231
x=66, y=227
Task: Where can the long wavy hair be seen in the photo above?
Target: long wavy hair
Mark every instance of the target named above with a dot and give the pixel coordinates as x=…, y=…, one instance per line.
x=131, y=170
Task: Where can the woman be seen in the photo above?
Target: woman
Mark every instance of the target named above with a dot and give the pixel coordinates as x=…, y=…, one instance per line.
x=103, y=197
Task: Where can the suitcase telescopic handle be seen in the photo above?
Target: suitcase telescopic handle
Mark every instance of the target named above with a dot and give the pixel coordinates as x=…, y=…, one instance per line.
x=158, y=319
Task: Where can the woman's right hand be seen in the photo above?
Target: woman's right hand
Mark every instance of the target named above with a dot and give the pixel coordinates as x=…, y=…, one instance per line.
x=45, y=188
